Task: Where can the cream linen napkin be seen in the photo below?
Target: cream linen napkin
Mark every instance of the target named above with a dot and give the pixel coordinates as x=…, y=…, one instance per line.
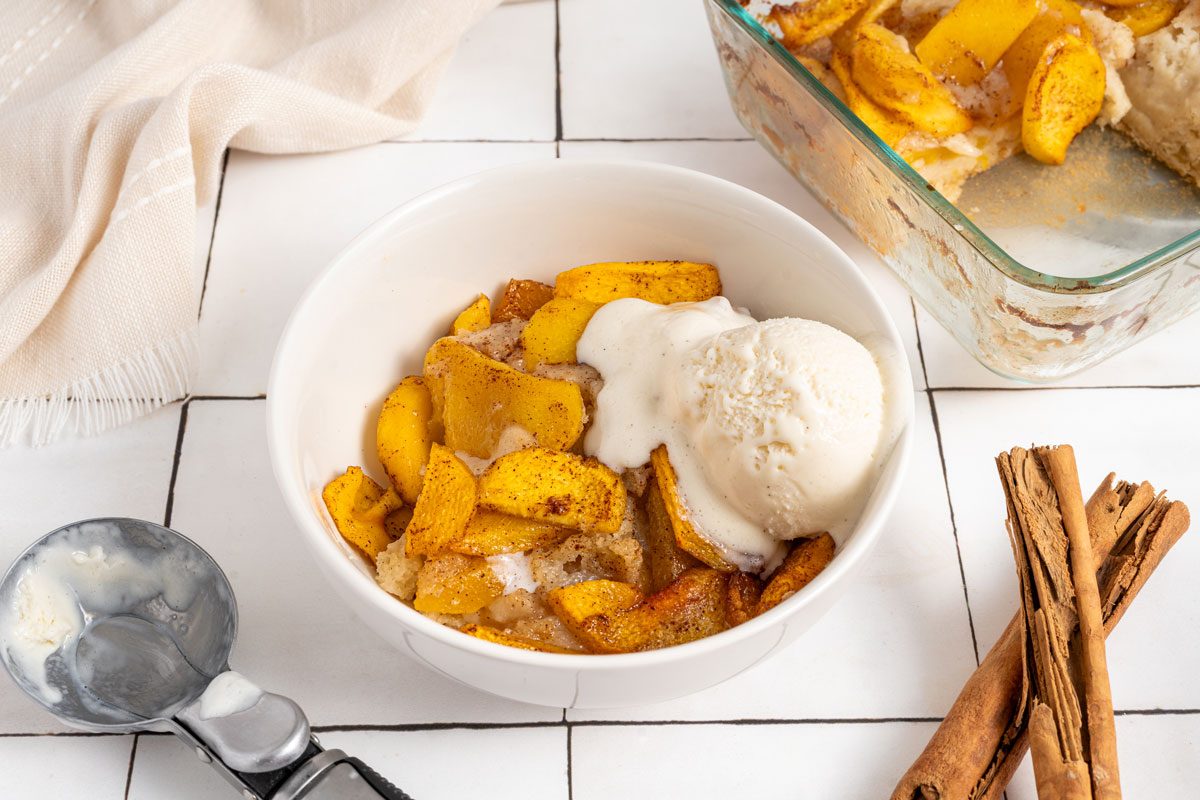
x=114, y=115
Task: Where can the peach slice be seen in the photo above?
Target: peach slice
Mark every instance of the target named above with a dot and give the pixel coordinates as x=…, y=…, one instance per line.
x=474, y=317
x=662, y=282
x=559, y=488
x=477, y=398
x=1064, y=96
x=881, y=64
x=444, y=507
x=969, y=41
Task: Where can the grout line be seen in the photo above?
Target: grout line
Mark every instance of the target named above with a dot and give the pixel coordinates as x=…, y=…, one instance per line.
x=212, y=237
x=962, y=573
x=435, y=726
x=466, y=141
x=752, y=721
x=132, y=756
x=937, y=432
x=62, y=735
x=183, y=416
x=558, y=115
x=613, y=723
x=81, y=734
x=570, y=765
x=223, y=397
x=920, y=347
x=1057, y=388
x=597, y=723
x=580, y=139
x=661, y=139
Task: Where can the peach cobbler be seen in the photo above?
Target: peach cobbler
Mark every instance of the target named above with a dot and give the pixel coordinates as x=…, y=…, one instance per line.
x=956, y=86
x=620, y=462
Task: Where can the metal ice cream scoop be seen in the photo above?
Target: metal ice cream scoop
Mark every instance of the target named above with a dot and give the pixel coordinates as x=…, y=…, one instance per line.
x=122, y=625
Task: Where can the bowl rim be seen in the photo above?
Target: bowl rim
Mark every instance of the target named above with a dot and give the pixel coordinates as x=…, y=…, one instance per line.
x=968, y=231
x=323, y=548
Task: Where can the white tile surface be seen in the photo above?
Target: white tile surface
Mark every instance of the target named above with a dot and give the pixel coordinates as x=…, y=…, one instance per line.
x=499, y=764
x=1142, y=434
x=868, y=657
x=1168, y=358
x=748, y=164
x=638, y=70
x=295, y=635
x=716, y=762
x=164, y=767
x=283, y=218
x=1159, y=758
x=500, y=84
x=122, y=473
x=504, y=764
x=899, y=645
x=64, y=767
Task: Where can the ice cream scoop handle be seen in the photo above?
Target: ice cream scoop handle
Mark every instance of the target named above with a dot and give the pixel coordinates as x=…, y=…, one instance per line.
x=333, y=775
x=380, y=784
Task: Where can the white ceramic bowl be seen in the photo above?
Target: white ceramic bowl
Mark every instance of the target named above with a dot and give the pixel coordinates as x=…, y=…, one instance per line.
x=367, y=320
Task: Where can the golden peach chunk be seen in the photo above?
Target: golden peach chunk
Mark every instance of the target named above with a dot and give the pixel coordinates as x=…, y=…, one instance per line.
x=575, y=603
x=403, y=435
x=490, y=533
x=1055, y=19
x=687, y=537
x=555, y=487
x=520, y=299
x=456, y=584
x=396, y=523
x=667, y=560
x=803, y=23
x=843, y=38
x=889, y=74
x=742, y=598
x=489, y=634
x=662, y=282
x=1064, y=96
x=358, y=506
x=477, y=399
x=969, y=41
x=389, y=504
x=554, y=330
x=474, y=317
x=690, y=608
x=444, y=507
x=886, y=125
x=805, y=562
x=1145, y=17
x=1125, y=3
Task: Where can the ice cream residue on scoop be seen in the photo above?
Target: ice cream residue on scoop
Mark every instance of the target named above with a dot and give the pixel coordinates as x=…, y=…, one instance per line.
x=70, y=580
x=227, y=694
x=775, y=428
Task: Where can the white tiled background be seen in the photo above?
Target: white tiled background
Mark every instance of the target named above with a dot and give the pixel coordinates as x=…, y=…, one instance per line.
x=839, y=715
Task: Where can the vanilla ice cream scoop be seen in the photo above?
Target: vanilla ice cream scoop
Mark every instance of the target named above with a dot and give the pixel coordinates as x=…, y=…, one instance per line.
x=787, y=417
x=775, y=429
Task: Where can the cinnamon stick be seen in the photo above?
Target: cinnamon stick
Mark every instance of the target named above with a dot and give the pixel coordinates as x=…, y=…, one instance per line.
x=1102, y=727
x=1072, y=732
x=977, y=748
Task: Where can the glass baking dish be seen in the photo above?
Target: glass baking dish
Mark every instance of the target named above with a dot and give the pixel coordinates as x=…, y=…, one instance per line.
x=1038, y=271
